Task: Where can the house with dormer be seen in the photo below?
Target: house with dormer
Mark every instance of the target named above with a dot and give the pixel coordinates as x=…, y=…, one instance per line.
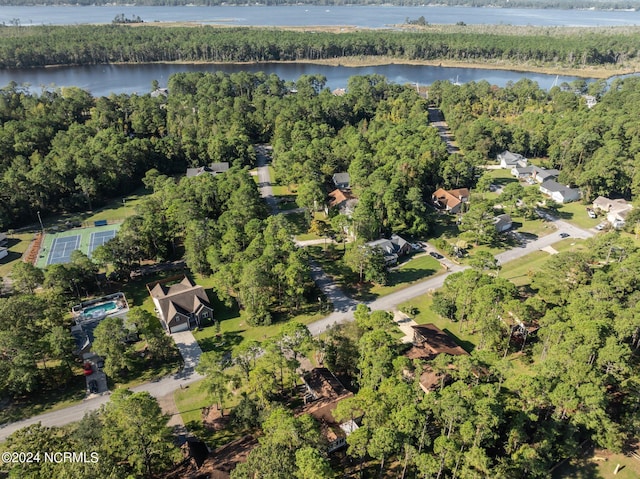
x=181, y=306
x=392, y=248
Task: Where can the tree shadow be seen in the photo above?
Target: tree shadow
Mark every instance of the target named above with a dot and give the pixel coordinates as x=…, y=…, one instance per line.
x=408, y=275
x=11, y=256
x=223, y=342
x=468, y=346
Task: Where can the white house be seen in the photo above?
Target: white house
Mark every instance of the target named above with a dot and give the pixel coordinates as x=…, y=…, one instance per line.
x=616, y=210
x=559, y=192
x=509, y=160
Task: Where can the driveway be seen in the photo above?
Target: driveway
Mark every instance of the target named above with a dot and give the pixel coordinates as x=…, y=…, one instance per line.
x=189, y=349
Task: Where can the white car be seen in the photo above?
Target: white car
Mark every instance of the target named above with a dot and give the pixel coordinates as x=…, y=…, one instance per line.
x=591, y=213
x=601, y=226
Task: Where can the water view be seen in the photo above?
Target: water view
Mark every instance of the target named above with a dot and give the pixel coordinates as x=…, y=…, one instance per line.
x=102, y=80
x=362, y=16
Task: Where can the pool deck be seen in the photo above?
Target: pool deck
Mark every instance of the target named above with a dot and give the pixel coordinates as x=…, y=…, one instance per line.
x=79, y=311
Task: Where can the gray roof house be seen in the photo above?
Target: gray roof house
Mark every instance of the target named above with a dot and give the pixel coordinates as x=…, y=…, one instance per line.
x=559, y=192
x=180, y=306
x=509, y=160
x=341, y=180
x=503, y=223
x=537, y=173
x=213, y=169
x=392, y=248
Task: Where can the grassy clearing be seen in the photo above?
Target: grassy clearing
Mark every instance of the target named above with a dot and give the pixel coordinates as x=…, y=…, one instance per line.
x=116, y=209
x=537, y=227
x=235, y=330
x=502, y=177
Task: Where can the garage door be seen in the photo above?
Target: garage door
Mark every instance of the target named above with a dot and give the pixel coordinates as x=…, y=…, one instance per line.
x=180, y=327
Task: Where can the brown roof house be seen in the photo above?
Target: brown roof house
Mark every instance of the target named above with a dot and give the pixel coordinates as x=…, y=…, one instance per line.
x=180, y=306
x=450, y=200
x=343, y=200
x=323, y=393
x=430, y=341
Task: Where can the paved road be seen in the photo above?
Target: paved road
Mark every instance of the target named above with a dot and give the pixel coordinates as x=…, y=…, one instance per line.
x=70, y=414
x=264, y=179
x=391, y=301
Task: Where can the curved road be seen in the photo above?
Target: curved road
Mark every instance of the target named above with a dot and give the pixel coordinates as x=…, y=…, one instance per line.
x=344, y=307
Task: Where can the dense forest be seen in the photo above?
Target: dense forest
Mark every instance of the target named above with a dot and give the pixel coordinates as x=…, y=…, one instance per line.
x=577, y=381
x=555, y=4
x=22, y=47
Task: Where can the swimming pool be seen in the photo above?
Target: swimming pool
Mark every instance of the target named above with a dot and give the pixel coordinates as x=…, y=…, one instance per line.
x=99, y=310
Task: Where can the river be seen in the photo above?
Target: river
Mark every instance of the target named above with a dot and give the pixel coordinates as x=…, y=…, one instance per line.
x=105, y=79
x=369, y=16
x=101, y=80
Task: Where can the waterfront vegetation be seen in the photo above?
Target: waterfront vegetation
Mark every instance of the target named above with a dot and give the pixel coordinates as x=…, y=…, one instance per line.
x=590, y=49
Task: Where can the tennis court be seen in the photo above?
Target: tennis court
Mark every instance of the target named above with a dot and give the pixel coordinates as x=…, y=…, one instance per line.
x=57, y=247
x=99, y=238
x=61, y=249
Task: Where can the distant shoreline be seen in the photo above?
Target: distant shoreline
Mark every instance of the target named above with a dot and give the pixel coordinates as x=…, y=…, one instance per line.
x=354, y=62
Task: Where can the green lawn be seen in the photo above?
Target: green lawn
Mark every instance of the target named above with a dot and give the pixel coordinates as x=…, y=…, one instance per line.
x=576, y=213
x=519, y=272
x=502, y=176
x=537, y=227
x=235, y=330
x=17, y=244
x=115, y=210
x=412, y=271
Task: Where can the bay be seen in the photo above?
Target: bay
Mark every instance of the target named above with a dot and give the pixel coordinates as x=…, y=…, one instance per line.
x=369, y=16
x=102, y=80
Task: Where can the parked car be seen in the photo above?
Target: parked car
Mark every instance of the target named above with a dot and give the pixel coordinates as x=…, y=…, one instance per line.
x=93, y=386
x=591, y=213
x=601, y=226
x=436, y=255
x=564, y=235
